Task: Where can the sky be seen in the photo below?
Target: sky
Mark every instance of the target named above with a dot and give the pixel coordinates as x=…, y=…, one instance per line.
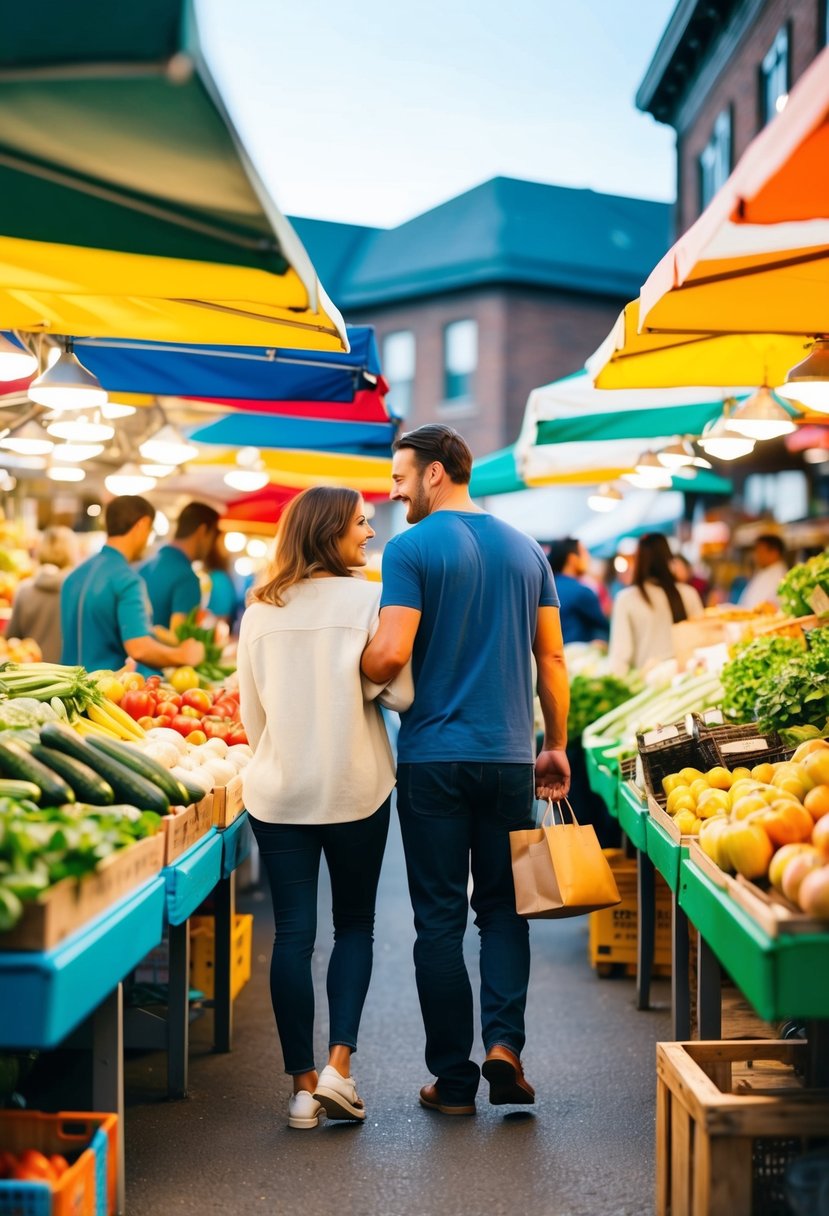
x=374, y=111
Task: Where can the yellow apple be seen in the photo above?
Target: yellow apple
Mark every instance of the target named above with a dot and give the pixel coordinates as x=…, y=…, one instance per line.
x=719, y=778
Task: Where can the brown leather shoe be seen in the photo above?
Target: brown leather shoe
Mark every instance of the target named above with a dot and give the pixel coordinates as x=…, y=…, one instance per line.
x=507, y=1084
x=430, y=1098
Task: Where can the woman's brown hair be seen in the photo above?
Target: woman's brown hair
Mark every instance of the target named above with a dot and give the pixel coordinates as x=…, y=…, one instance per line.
x=653, y=565
x=306, y=540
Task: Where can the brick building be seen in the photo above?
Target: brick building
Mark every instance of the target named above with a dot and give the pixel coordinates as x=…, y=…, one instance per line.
x=721, y=70
x=481, y=299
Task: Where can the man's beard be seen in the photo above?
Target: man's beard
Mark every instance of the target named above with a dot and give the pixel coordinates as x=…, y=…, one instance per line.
x=418, y=506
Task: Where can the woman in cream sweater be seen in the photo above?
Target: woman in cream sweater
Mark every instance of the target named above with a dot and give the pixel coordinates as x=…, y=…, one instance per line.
x=320, y=779
x=643, y=614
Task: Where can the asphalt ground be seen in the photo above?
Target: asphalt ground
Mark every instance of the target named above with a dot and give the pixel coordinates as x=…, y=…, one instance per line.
x=585, y=1149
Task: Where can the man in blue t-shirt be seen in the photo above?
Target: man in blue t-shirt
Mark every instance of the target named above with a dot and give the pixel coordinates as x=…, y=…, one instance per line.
x=172, y=584
x=582, y=619
x=470, y=600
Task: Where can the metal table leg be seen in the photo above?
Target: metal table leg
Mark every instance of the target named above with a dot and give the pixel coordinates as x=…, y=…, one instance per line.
x=108, y=1069
x=224, y=904
x=709, y=992
x=817, y=1033
x=645, y=891
x=680, y=987
x=178, y=1011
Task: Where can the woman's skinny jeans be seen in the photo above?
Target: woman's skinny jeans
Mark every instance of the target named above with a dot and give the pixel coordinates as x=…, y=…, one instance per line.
x=291, y=856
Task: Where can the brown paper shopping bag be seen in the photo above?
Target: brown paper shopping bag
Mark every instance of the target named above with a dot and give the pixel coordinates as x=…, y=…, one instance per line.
x=559, y=869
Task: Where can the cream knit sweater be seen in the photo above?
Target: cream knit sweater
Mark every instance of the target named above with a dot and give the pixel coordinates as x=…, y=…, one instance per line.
x=321, y=753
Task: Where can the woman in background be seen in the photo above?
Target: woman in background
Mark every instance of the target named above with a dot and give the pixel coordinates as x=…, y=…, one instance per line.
x=36, y=608
x=320, y=778
x=643, y=613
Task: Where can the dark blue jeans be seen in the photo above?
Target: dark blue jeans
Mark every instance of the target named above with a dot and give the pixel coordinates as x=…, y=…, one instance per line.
x=291, y=857
x=451, y=813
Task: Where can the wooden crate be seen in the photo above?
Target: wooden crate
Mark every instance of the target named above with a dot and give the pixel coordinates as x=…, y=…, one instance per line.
x=69, y=904
x=228, y=802
x=182, y=830
x=730, y=1117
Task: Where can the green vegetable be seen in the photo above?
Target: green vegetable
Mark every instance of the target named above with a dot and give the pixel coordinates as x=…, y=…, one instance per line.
x=144, y=766
x=593, y=696
x=126, y=783
x=16, y=761
x=74, y=687
x=85, y=782
x=11, y=788
x=754, y=664
x=210, y=668
x=797, y=587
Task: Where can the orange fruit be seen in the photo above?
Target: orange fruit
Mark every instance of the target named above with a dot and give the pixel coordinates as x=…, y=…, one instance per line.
x=816, y=801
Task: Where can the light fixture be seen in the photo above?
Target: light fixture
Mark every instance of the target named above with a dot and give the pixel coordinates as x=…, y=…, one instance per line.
x=168, y=447
x=650, y=473
x=60, y=472
x=761, y=416
x=246, y=480
x=157, y=470
x=243, y=566
x=646, y=481
x=93, y=510
x=23, y=464
x=249, y=458
x=76, y=453
x=605, y=498
x=81, y=429
x=235, y=542
x=719, y=441
x=28, y=440
x=114, y=409
x=808, y=382
x=677, y=455
x=257, y=548
x=68, y=385
x=128, y=480
x=7, y=482
x=15, y=362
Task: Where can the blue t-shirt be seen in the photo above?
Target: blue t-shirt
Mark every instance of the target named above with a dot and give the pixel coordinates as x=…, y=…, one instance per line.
x=172, y=584
x=478, y=584
x=582, y=619
x=103, y=604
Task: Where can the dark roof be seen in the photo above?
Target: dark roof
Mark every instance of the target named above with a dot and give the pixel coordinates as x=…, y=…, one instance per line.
x=695, y=26
x=505, y=231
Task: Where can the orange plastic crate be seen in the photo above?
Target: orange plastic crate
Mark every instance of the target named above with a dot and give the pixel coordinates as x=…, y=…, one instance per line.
x=88, y=1188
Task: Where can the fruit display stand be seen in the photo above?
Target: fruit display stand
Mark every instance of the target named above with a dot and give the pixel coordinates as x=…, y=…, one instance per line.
x=603, y=774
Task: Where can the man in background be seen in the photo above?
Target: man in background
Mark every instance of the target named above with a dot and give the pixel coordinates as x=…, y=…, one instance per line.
x=582, y=618
x=770, y=570
x=103, y=604
x=172, y=583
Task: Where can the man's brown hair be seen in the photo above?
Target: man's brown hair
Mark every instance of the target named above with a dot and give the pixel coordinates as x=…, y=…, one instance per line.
x=437, y=442
x=124, y=512
x=193, y=516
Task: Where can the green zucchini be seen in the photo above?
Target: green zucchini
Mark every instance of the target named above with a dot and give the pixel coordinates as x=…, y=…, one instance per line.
x=126, y=783
x=87, y=784
x=144, y=766
x=9, y=788
x=16, y=761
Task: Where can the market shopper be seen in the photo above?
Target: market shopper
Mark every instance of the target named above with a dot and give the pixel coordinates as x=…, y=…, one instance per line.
x=471, y=600
x=103, y=604
x=36, y=608
x=320, y=779
x=643, y=613
x=770, y=570
x=582, y=618
x=172, y=583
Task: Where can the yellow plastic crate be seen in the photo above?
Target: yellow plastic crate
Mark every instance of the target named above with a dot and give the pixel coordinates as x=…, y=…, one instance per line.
x=202, y=953
x=613, y=931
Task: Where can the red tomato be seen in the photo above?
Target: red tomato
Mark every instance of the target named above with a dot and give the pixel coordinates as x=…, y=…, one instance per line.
x=153, y=684
x=163, y=719
x=237, y=735
x=226, y=709
x=167, y=707
x=138, y=703
x=183, y=724
x=215, y=727
x=173, y=696
x=32, y=1166
x=59, y=1165
x=197, y=698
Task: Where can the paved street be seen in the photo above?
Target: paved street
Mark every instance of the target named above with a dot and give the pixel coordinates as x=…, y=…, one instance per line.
x=586, y=1148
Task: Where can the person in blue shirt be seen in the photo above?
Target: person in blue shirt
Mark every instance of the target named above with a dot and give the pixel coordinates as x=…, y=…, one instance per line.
x=172, y=583
x=103, y=604
x=582, y=619
x=471, y=600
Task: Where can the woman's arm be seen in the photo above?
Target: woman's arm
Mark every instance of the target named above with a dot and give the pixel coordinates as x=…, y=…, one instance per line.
x=621, y=648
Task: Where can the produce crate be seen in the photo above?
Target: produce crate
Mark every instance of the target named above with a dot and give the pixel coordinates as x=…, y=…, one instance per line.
x=775, y=915
x=745, y=745
x=183, y=829
x=202, y=954
x=89, y=1143
x=730, y=1118
x=72, y=902
x=228, y=802
x=669, y=749
x=613, y=932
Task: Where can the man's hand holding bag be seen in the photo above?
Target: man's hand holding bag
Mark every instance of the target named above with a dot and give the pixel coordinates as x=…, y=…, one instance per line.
x=559, y=869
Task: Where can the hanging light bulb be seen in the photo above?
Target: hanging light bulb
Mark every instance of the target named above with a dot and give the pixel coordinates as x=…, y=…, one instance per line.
x=605, y=498
x=676, y=455
x=28, y=440
x=157, y=470
x=651, y=473
x=808, y=382
x=246, y=480
x=249, y=458
x=114, y=409
x=257, y=549
x=82, y=429
x=168, y=447
x=718, y=439
x=76, y=453
x=16, y=363
x=761, y=416
x=129, y=480
x=65, y=473
x=235, y=542
x=68, y=385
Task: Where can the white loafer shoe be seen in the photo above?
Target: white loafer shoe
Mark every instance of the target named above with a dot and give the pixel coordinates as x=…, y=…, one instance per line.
x=303, y=1110
x=338, y=1095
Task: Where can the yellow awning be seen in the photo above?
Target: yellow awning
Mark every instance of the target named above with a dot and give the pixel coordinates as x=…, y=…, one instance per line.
x=297, y=470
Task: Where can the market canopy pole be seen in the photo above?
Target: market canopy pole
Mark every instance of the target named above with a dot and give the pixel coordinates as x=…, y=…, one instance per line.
x=128, y=204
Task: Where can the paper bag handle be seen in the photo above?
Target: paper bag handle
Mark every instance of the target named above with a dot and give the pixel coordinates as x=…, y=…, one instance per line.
x=551, y=811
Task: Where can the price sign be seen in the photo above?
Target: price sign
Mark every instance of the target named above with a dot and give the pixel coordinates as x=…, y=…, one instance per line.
x=819, y=602
x=660, y=735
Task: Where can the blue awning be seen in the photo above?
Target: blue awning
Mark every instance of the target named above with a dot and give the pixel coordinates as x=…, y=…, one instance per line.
x=241, y=429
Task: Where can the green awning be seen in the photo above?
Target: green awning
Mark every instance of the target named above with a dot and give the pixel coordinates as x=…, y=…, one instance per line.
x=632, y=424
x=496, y=474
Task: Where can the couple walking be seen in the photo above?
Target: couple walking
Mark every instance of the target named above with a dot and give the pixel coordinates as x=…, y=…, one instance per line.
x=466, y=603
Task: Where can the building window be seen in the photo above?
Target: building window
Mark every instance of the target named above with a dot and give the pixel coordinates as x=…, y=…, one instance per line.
x=399, y=370
x=775, y=77
x=460, y=359
x=715, y=158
